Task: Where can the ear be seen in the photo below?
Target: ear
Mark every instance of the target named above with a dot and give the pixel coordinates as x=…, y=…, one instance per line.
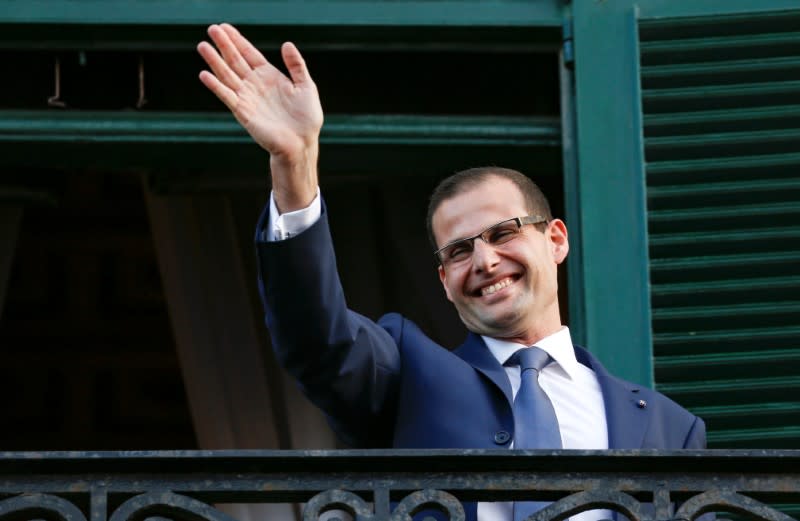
x=443, y=280
x=559, y=243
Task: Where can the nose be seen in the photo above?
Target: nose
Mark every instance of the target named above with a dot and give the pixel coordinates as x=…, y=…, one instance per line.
x=484, y=256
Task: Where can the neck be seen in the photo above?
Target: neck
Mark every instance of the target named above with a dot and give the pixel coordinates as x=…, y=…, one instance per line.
x=530, y=338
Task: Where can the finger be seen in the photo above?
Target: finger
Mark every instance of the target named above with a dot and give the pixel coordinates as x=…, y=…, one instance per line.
x=295, y=64
x=223, y=92
x=218, y=66
x=229, y=51
x=252, y=56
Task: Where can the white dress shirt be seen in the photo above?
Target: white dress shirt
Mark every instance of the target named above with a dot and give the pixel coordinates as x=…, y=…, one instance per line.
x=284, y=225
x=572, y=387
x=577, y=399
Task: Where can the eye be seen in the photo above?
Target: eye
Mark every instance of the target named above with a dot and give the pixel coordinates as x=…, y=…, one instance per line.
x=502, y=234
x=459, y=251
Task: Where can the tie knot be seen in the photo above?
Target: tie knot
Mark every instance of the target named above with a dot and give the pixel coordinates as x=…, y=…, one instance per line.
x=530, y=358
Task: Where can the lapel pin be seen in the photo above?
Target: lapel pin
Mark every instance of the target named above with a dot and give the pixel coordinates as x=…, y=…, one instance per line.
x=641, y=404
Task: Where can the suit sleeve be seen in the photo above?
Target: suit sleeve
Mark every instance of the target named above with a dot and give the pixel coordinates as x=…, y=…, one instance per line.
x=696, y=439
x=345, y=363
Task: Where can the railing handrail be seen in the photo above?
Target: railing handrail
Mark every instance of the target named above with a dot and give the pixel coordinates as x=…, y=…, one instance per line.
x=138, y=483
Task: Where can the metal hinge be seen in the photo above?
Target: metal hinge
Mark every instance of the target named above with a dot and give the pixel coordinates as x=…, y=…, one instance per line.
x=568, y=49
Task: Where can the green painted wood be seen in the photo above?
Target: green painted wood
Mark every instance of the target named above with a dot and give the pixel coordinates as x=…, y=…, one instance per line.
x=704, y=242
x=669, y=365
x=761, y=409
x=749, y=336
x=705, y=121
x=135, y=25
x=310, y=12
x=612, y=200
x=726, y=165
x=481, y=35
x=748, y=311
x=185, y=145
x=720, y=288
x=720, y=130
x=714, y=262
x=709, y=18
x=705, y=215
x=712, y=142
x=572, y=203
x=698, y=46
x=735, y=70
x=741, y=438
x=700, y=391
x=733, y=187
x=722, y=188
x=733, y=96
x=219, y=128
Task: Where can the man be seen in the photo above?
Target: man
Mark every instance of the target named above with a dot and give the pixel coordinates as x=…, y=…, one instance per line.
x=388, y=384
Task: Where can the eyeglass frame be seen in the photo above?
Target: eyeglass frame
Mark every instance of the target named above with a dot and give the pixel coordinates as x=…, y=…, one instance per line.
x=521, y=221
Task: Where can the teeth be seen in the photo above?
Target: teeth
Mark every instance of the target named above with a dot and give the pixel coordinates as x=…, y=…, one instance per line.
x=496, y=287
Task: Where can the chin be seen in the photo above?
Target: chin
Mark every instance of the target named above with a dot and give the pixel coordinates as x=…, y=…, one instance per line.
x=494, y=326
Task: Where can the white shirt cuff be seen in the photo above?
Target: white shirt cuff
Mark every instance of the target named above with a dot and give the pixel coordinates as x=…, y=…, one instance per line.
x=289, y=224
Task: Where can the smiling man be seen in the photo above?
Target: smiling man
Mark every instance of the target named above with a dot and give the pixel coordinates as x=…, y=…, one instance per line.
x=505, y=284
x=387, y=384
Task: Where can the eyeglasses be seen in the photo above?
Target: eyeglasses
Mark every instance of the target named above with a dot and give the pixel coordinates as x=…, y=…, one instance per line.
x=460, y=250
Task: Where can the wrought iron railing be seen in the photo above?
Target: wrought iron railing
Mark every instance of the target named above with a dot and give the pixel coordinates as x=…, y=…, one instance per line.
x=391, y=485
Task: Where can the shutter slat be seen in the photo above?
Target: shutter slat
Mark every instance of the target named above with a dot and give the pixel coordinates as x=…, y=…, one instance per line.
x=703, y=189
x=720, y=96
x=721, y=73
x=723, y=144
x=735, y=385
x=721, y=241
x=747, y=41
x=715, y=121
x=759, y=409
x=748, y=46
x=761, y=259
x=724, y=291
x=762, y=415
x=745, y=438
x=733, y=166
x=771, y=336
x=697, y=319
x=742, y=211
x=735, y=24
x=738, y=364
x=724, y=286
x=732, y=310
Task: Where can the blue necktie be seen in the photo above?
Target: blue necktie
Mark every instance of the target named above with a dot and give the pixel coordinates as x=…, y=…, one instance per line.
x=535, y=422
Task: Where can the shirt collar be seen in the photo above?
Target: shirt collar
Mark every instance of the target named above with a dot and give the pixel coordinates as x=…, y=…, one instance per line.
x=558, y=346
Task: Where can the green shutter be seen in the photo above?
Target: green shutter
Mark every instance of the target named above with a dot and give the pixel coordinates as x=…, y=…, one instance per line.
x=721, y=121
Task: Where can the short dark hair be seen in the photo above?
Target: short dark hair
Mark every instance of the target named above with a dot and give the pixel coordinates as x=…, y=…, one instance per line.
x=460, y=182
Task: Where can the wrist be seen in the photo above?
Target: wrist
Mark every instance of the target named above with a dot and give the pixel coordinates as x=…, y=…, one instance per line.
x=294, y=179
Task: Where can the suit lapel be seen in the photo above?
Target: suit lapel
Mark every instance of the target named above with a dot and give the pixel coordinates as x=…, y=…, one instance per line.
x=627, y=421
x=474, y=352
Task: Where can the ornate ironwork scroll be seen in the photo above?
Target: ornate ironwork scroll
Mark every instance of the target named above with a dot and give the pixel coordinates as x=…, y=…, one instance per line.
x=167, y=504
x=39, y=506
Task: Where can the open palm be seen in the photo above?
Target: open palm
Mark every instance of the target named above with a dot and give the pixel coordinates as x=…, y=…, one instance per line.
x=283, y=115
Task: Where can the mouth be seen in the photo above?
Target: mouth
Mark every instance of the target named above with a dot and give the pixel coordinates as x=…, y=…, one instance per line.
x=497, y=286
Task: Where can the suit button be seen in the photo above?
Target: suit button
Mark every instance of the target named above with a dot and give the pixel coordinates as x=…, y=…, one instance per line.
x=501, y=437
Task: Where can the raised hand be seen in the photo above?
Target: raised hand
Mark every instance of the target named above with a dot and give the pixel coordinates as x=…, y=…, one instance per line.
x=283, y=115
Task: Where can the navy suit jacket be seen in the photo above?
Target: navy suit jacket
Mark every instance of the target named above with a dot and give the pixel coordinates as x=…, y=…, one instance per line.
x=389, y=385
